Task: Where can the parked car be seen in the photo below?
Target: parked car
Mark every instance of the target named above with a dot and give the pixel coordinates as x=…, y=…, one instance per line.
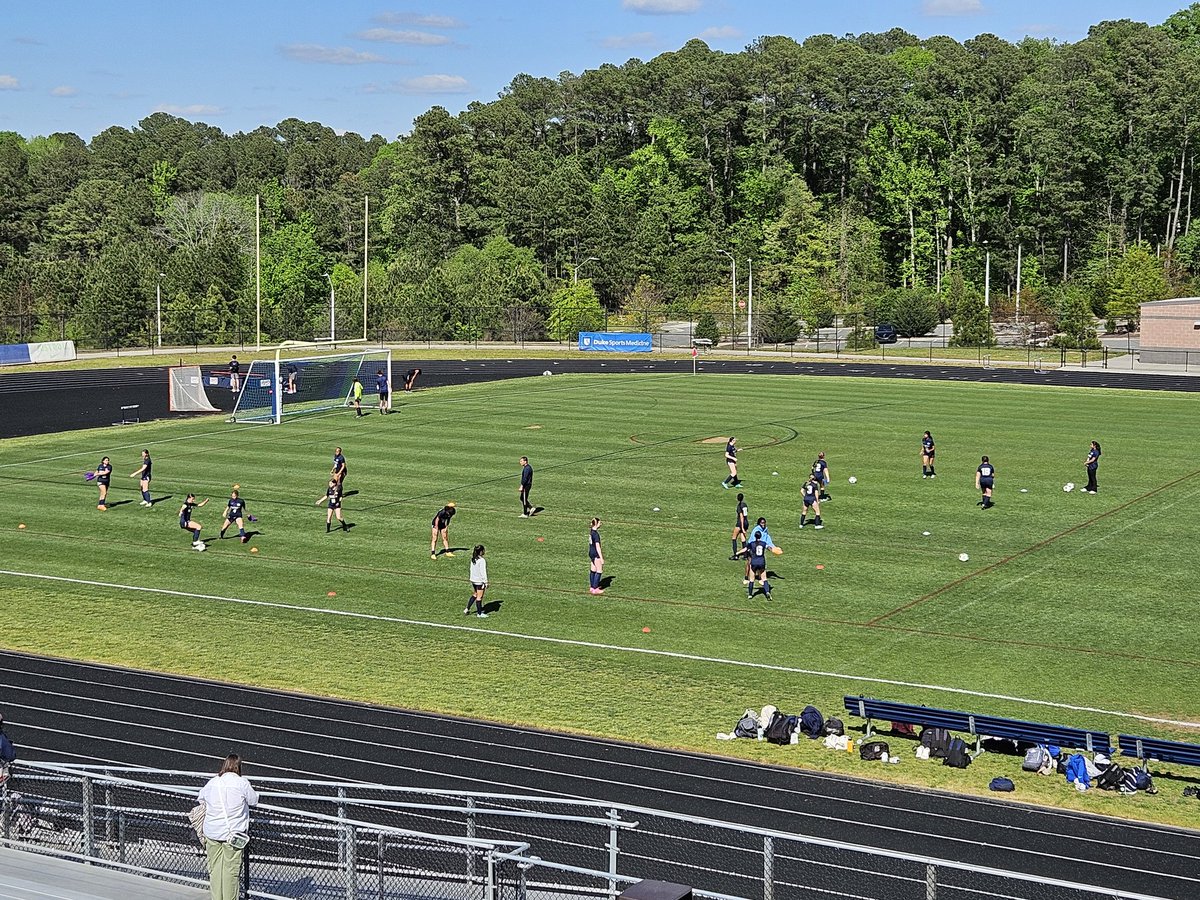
x=886, y=333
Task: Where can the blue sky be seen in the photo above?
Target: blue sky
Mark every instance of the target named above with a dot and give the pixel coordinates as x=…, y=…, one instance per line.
x=83, y=65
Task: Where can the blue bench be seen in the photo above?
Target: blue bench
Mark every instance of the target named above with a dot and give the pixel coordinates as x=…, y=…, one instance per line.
x=1145, y=749
x=979, y=726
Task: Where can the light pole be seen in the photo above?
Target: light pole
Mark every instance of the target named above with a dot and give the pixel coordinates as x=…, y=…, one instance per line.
x=575, y=274
x=158, y=305
x=733, y=320
x=987, y=276
x=332, y=335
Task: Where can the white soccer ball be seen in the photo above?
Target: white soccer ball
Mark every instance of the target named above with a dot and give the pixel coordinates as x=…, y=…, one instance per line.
x=656, y=509
x=202, y=546
x=547, y=372
x=962, y=557
x=1068, y=487
x=853, y=480
x=925, y=533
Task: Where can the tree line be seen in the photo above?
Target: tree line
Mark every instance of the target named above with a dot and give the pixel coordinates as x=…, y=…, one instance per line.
x=878, y=175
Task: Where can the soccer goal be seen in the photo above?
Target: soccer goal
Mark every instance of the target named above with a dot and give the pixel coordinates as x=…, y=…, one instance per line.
x=186, y=392
x=291, y=385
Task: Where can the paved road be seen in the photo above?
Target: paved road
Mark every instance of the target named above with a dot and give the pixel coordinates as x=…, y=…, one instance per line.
x=71, y=711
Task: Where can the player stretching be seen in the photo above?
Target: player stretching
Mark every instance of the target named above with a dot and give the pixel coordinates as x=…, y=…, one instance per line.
x=381, y=385
x=820, y=469
x=410, y=380
x=338, y=472
x=731, y=452
x=333, y=494
x=741, y=525
x=441, y=528
x=985, y=480
x=186, y=523
x=927, y=453
x=811, y=495
x=595, y=559
x=235, y=511
x=103, y=477
x=143, y=476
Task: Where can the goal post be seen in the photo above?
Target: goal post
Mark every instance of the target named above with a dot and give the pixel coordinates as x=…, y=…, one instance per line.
x=291, y=385
x=185, y=392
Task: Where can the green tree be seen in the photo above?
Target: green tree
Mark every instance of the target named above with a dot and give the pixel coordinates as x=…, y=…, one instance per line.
x=574, y=308
x=1137, y=278
x=914, y=312
x=1074, y=319
x=972, y=321
x=706, y=328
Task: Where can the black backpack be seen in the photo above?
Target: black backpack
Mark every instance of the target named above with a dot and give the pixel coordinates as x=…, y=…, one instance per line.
x=956, y=754
x=873, y=750
x=937, y=740
x=812, y=723
x=834, y=726
x=1110, y=779
x=781, y=728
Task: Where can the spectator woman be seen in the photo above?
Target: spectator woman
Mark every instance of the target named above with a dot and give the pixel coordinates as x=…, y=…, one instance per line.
x=227, y=799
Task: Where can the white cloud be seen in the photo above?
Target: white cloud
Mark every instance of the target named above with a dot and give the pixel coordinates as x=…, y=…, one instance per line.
x=423, y=84
x=419, y=19
x=337, y=56
x=64, y=90
x=9, y=83
x=719, y=33
x=392, y=36
x=661, y=7
x=626, y=41
x=952, y=7
x=192, y=109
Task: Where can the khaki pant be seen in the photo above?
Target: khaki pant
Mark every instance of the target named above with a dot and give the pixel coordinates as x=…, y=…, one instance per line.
x=224, y=869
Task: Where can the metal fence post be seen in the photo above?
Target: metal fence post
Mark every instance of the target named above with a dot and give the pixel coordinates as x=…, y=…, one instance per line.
x=768, y=868
x=490, y=891
x=349, y=853
x=379, y=858
x=121, y=836
x=89, y=836
x=931, y=882
x=612, y=851
x=6, y=812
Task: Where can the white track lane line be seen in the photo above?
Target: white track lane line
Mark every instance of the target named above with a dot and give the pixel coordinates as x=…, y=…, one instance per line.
x=592, y=645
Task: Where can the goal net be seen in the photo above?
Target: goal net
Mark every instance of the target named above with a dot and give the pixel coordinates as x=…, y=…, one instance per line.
x=186, y=390
x=288, y=386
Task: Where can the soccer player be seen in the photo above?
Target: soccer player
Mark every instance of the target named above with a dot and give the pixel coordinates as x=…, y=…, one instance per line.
x=103, y=478
x=186, y=523
x=741, y=525
x=410, y=379
x=927, y=453
x=143, y=476
x=381, y=385
x=479, y=581
x=441, y=528
x=333, y=494
x=338, y=472
x=760, y=526
x=731, y=452
x=527, y=508
x=755, y=552
x=235, y=378
x=1092, y=463
x=293, y=375
x=811, y=496
x=356, y=392
x=985, y=480
x=595, y=558
x=235, y=511
x=820, y=469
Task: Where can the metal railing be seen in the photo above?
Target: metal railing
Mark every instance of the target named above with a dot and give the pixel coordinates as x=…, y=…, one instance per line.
x=363, y=840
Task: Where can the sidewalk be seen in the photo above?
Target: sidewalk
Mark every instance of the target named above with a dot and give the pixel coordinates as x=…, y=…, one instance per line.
x=36, y=876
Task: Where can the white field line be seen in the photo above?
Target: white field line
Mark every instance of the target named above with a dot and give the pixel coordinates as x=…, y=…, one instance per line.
x=593, y=645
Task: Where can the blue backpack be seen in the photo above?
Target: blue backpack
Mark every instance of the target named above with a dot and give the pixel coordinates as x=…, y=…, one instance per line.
x=812, y=723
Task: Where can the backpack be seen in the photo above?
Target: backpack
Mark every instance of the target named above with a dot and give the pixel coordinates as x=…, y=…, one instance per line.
x=781, y=728
x=834, y=726
x=1002, y=784
x=1110, y=779
x=937, y=740
x=812, y=723
x=747, y=726
x=873, y=750
x=1144, y=782
x=956, y=754
x=1035, y=758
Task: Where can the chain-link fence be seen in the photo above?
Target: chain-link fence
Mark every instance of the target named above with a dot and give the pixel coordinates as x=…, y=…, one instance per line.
x=322, y=839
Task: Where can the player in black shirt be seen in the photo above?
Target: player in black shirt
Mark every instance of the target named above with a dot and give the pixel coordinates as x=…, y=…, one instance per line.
x=820, y=470
x=1092, y=463
x=927, y=454
x=527, y=508
x=186, y=523
x=143, y=476
x=410, y=380
x=756, y=553
x=595, y=559
x=811, y=497
x=731, y=451
x=741, y=525
x=381, y=385
x=235, y=511
x=235, y=377
x=441, y=528
x=338, y=472
x=103, y=478
x=333, y=495
x=985, y=480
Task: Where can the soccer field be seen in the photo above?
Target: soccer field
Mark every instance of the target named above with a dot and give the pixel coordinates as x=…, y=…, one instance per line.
x=1073, y=609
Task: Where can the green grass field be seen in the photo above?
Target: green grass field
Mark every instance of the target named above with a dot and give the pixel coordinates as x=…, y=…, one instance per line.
x=1072, y=609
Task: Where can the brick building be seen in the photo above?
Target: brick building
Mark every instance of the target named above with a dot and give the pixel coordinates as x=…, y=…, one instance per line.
x=1169, y=327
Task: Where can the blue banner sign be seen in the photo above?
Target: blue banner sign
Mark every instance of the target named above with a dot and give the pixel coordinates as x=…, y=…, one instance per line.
x=616, y=341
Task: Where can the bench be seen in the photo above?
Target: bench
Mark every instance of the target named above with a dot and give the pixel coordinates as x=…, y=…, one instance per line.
x=979, y=726
x=702, y=343
x=1146, y=748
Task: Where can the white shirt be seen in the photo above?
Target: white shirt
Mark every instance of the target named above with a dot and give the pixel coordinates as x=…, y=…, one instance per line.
x=479, y=571
x=228, y=798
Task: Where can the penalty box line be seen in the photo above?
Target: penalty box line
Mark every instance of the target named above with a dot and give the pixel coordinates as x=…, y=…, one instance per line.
x=595, y=645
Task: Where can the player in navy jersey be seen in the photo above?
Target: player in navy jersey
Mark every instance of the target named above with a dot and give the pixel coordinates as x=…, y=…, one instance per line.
x=338, y=472
x=186, y=523
x=527, y=508
x=235, y=511
x=731, y=452
x=235, y=376
x=927, y=454
x=381, y=385
x=1092, y=463
x=103, y=479
x=595, y=559
x=741, y=525
x=810, y=495
x=440, y=527
x=755, y=552
x=143, y=476
x=820, y=469
x=333, y=496
x=985, y=480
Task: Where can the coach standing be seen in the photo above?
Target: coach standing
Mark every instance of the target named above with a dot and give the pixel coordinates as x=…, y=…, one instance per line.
x=527, y=508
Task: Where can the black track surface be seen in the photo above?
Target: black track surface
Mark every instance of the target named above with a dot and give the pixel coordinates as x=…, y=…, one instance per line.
x=47, y=402
x=71, y=711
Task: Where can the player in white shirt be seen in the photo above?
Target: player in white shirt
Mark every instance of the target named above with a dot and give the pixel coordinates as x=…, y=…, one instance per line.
x=479, y=581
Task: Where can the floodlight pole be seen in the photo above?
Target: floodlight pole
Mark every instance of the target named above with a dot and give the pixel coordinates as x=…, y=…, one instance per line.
x=575, y=274
x=366, y=225
x=332, y=335
x=732, y=321
x=987, y=276
x=158, y=306
x=257, y=275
